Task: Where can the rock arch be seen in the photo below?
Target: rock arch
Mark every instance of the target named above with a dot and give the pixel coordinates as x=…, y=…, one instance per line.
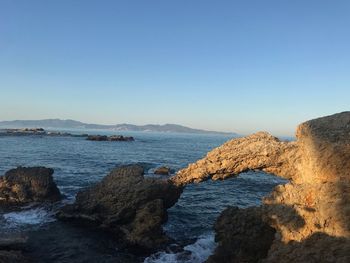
x=313, y=209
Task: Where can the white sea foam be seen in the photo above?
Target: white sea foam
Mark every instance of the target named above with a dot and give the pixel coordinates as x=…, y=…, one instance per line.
x=197, y=252
x=35, y=216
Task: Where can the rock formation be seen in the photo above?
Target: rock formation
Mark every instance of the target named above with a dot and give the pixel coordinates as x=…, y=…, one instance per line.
x=128, y=205
x=242, y=236
x=311, y=213
x=28, y=184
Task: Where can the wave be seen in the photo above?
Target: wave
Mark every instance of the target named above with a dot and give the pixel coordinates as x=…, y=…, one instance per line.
x=197, y=252
x=35, y=216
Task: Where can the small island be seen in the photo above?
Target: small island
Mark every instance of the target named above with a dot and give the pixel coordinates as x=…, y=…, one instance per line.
x=112, y=138
x=42, y=132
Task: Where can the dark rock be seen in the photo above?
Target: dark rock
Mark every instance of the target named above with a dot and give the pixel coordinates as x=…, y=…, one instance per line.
x=109, y=138
x=120, y=138
x=242, y=236
x=97, y=138
x=128, y=205
x=163, y=170
x=28, y=184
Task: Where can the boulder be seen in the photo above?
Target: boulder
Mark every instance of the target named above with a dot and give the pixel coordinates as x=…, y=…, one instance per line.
x=163, y=170
x=128, y=205
x=24, y=185
x=242, y=236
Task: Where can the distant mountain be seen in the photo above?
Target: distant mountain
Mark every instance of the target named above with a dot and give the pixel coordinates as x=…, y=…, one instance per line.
x=72, y=124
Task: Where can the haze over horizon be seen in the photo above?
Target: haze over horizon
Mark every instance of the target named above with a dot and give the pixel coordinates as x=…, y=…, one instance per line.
x=233, y=66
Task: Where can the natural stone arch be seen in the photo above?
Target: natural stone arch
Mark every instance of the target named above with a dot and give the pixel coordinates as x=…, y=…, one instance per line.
x=313, y=208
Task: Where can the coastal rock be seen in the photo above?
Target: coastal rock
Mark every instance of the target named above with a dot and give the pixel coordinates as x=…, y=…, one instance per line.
x=242, y=236
x=260, y=151
x=310, y=212
x=109, y=138
x=163, y=170
x=28, y=184
x=128, y=205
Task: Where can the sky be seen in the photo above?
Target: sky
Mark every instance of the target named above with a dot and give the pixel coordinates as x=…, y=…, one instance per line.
x=240, y=66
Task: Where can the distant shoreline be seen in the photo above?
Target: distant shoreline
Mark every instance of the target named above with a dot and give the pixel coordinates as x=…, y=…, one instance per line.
x=72, y=124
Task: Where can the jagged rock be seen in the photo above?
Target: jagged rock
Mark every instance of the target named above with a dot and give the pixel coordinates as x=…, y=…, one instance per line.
x=109, y=138
x=28, y=184
x=242, y=236
x=128, y=205
x=163, y=170
x=312, y=211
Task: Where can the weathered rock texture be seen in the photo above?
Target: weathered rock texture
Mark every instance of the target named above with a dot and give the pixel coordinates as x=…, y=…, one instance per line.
x=260, y=151
x=311, y=213
x=128, y=205
x=28, y=184
x=242, y=236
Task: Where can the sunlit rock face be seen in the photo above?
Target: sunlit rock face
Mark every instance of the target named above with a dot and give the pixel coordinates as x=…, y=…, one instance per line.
x=311, y=214
x=260, y=151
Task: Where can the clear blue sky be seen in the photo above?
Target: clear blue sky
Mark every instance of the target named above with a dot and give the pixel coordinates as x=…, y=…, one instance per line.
x=222, y=65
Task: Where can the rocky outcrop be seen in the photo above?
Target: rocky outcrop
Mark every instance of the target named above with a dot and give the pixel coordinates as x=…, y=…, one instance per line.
x=128, y=205
x=242, y=236
x=28, y=184
x=110, y=138
x=312, y=211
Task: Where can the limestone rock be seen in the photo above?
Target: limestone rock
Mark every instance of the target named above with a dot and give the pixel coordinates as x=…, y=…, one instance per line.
x=128, y=205
x=312, y=211
x=259, y=151
x=242, y=236
x=28, y=184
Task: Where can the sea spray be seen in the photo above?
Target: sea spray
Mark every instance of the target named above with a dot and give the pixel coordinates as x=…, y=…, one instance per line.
x=197, y=252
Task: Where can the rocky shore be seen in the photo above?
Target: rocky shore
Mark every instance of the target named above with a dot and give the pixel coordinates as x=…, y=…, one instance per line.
x=18, y=187
x=310, y=214
x=305, y=220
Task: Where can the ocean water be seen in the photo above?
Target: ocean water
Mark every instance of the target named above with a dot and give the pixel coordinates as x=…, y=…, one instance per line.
x=79, y=163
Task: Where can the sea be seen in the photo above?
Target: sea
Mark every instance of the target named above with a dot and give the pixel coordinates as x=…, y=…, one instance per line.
x=79, y=163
